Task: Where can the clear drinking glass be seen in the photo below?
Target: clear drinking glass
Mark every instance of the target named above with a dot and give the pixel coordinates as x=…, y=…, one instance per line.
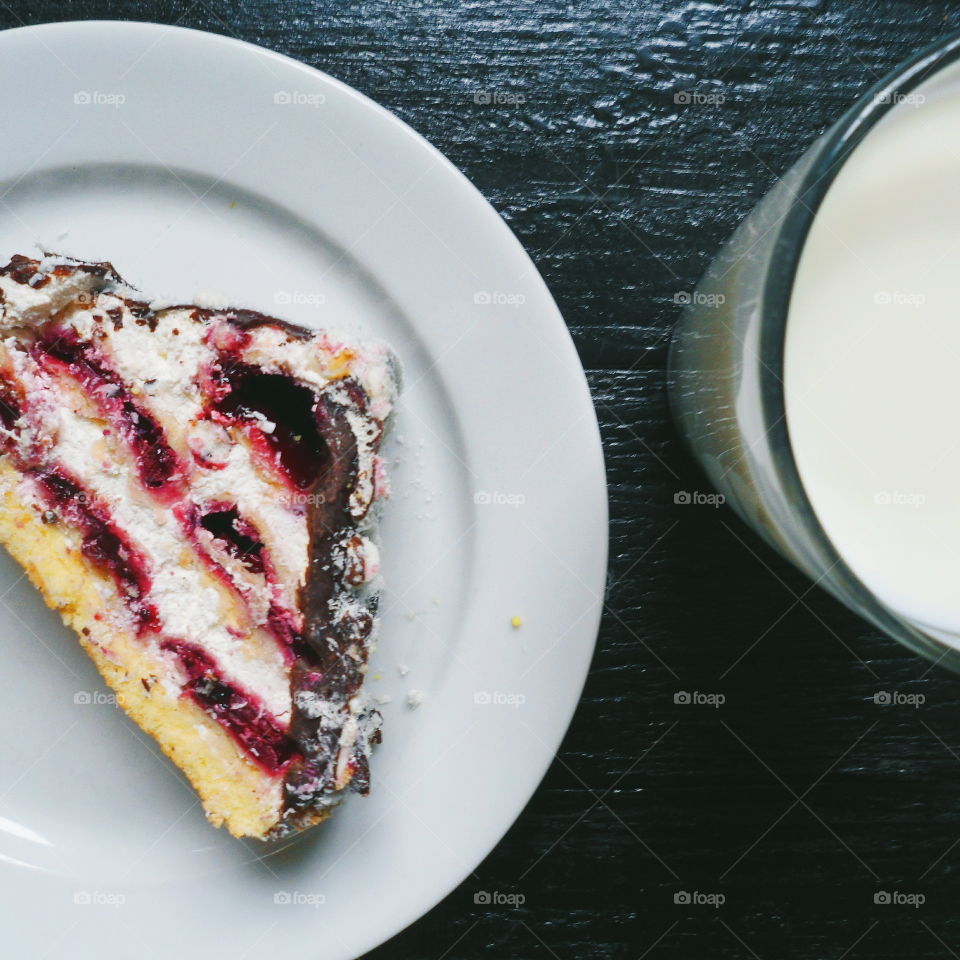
x=726, y=359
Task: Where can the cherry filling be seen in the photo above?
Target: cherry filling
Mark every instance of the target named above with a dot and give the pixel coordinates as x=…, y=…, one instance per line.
x=237, y=537
x=157, y=464
x=9, y=405
x=294, y=444
x=241, y=713
x=103, y=543
x=280, y=624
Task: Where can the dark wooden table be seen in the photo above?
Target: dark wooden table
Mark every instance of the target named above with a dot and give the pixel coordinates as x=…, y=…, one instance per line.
x=800, y=798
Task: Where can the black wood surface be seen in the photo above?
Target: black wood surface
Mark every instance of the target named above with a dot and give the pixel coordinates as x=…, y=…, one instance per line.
x=799, y=798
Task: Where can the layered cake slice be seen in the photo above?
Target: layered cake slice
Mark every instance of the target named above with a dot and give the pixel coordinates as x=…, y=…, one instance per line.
x=194, y=490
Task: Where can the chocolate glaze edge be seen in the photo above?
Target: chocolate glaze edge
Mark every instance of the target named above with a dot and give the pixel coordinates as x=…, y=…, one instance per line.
x=339, y=622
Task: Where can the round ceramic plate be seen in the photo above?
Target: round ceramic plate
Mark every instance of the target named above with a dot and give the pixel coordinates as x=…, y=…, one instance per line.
x=207, y=168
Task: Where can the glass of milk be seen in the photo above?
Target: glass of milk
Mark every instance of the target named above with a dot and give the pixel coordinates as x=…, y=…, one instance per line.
x=816, y=371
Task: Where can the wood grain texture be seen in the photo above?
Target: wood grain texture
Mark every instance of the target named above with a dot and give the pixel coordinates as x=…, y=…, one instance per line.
x=799, y=798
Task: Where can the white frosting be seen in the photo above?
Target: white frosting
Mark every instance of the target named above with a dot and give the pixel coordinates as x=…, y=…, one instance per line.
x=366, y=434
x=25, y=304
x=284, y=531
x=166, y=363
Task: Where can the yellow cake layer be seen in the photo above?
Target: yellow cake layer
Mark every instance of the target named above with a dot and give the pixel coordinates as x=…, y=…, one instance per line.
x=234, y=791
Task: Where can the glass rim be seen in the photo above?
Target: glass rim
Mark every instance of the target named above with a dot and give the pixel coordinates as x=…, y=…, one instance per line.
x=831, y=154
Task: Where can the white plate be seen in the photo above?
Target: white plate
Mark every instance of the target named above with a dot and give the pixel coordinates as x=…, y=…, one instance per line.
x=201, y=165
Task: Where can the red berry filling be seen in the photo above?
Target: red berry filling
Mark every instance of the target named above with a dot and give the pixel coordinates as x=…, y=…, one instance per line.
x=237, y=537
x=157, y=464
x=248, y=397
x=9, y=405
x=103, y=543
x=241, y=713
x=240, y=539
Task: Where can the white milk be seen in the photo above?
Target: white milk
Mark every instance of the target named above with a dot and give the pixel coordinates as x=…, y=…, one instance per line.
x=872, y=373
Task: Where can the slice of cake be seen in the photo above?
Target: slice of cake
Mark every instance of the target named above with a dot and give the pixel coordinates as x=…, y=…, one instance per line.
x=195, y=491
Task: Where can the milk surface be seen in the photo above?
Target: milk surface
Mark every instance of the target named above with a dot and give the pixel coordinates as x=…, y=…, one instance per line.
x=872, y=363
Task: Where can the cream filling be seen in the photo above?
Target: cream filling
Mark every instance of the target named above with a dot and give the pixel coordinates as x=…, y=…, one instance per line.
x=284, y=533
x=163, y=363
x=24, y=304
